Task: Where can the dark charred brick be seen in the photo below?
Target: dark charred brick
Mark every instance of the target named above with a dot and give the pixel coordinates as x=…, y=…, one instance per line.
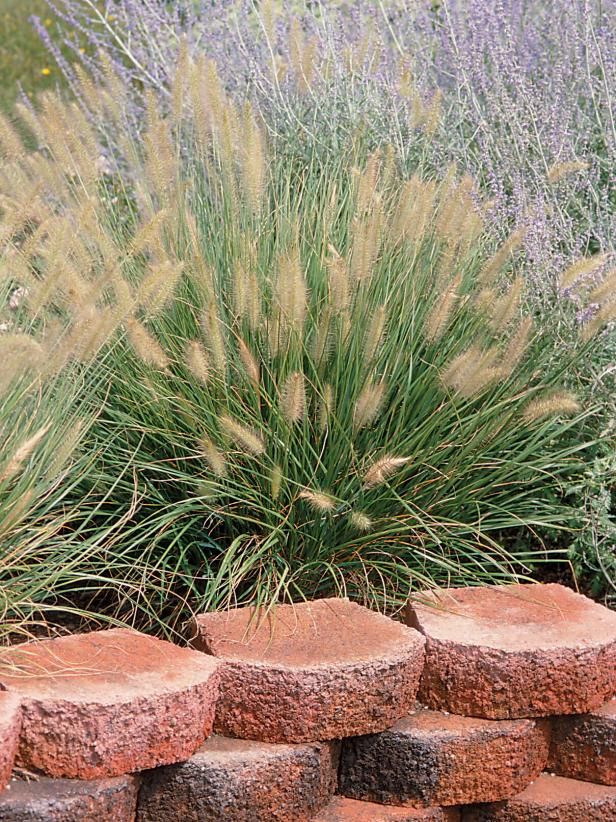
x=242, y=781
x=70, y=800
x=584, y=747
x=431, y=759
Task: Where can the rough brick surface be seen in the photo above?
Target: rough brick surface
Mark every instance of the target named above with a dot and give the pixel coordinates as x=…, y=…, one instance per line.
x=551, y=799
x=341, y=809
x=516, y=651
x=242, y=781
x=584, y=747
x=429, y=758
x=320, y=670
x=70, y=800
x=10, y=723
x=109, y=703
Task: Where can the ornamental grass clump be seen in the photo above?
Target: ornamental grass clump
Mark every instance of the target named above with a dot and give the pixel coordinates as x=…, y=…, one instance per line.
x=301, y=378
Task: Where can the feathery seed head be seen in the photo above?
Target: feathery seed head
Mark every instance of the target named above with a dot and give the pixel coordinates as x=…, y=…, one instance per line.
x=556, y=403
x=517, y=345
x=557, y=171
x=376, y=331
x=293, y=397
x=145, y=345
x=196, y=360
x=368, y=404
x=250, y=364
x=440, y=314
x=213, y=456
x=505, y=308
x=360, y=521
x=495, y=264
x=318, y=500
x=606, y=290
x=244, y=437
x=22, y=453
x=581, y=268
x=275, y=481
x=326, y=406
x=383, y=468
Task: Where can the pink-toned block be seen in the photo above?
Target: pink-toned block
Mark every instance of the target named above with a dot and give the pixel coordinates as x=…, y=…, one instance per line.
x=551, y=799
x=109, y=703
x=349, y=810
x=515, y=651
x=10, y=723
x=313, y=671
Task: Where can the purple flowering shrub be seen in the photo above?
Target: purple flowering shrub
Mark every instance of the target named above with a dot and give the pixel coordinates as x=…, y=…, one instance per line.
x=526, y=87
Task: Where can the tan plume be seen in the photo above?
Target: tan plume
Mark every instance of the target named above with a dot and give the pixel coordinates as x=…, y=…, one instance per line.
x=246, y=438
x=556, y=403
x=213, y=456
x=23, y=453
x=380, y=470
x=318, y=500
x=251, y=366
x=557, y=171
x=368, y=404
x=293, y=397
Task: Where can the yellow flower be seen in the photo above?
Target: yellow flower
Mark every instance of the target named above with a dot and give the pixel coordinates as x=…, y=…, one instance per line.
x=82, y=51
x=48, y=21
x=46, y=72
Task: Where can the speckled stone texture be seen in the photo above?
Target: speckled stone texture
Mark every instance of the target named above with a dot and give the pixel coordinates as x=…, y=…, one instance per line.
x=109, y=703
x=515, y=651
x=341, y=809
x=584, y=747
x=430, y=758
x=70, y=800
x=319, y=670
x=242, y=781
x=551, y=799
x=10, y=723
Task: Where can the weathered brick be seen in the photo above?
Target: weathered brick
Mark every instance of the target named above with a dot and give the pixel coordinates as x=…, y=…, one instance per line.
x=242, y=781
x=430, y=758
x=515, y=651
x=318, y=670
x=341, y=809
x=109, y=703
x=10, y=723
x=551, y=799
x=584, y=747
x=70, y=800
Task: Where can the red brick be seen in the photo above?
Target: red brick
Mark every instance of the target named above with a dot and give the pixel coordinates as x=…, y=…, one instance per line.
x=70, y=800
x=551, y=799
x=10, y=723
x=341, y=809
x=242, y=781
x=109, y=703
x=429, y=758
x=319, y=670
x=516, y=651
x=584, y=747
